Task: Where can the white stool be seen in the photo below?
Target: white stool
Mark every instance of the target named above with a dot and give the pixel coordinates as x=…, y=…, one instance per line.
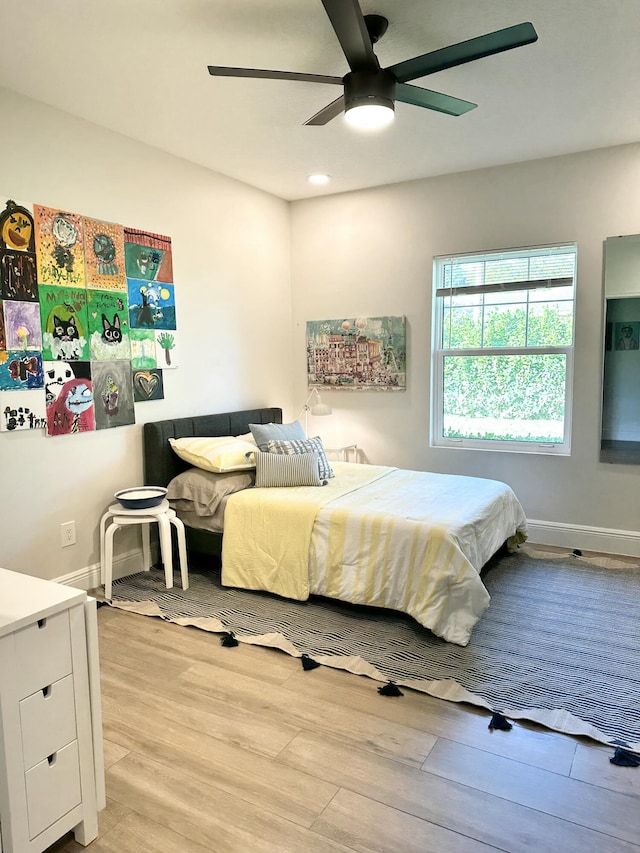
x=117, y=516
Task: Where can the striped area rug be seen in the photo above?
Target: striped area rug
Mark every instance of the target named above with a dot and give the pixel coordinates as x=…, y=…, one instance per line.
x=559, y=644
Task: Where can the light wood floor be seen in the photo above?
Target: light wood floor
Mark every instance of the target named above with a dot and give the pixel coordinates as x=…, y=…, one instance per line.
x=239, y=750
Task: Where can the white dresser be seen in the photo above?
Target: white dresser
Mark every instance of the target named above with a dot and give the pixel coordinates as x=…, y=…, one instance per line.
x=51, y=758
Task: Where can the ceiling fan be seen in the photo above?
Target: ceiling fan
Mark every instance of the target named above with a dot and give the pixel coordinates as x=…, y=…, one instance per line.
x=369, y=88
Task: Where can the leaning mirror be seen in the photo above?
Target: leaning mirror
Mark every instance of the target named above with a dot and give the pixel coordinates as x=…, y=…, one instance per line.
x=620, y=435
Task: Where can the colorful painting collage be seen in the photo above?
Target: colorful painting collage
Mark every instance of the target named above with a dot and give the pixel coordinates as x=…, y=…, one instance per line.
x=87, y=320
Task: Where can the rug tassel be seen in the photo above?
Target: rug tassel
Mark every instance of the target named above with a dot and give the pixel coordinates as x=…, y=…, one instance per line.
x=228, y=639
x=624, y=758
x=390, y=689
x=309, y=663
x=499, y=721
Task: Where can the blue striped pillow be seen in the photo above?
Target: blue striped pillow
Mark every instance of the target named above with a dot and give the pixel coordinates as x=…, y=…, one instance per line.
x=306, y=445
x=277, y=470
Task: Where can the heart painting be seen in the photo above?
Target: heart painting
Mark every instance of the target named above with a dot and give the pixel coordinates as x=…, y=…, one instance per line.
x=147, y=385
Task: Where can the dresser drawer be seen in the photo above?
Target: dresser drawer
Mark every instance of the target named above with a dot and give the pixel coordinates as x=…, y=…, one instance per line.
x=47, y=721
x=53, y=788
x=44, y=652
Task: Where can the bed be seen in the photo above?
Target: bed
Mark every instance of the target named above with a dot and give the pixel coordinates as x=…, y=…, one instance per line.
x=412, y=541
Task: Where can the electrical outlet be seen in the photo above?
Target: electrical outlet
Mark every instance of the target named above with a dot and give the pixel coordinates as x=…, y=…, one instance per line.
x=67, y=533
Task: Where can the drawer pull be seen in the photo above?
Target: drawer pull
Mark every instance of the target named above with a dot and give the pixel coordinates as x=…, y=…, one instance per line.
x=46, y=691
x=42, y=623
x=52, y=758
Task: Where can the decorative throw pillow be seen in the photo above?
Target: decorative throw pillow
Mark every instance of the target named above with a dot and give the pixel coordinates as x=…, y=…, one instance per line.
x=264, y=433
x=275, y=470
x=302, y=446
x=218, y=454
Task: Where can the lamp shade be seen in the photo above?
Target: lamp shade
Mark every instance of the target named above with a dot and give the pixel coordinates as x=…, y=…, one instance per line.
x=314, y=406
x=319, y=408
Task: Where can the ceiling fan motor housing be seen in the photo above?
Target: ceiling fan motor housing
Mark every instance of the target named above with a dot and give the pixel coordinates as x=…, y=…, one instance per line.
x=369, y=87
x=376, y=26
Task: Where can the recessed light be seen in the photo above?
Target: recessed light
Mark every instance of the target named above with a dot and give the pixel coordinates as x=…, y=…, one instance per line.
x=319, y=179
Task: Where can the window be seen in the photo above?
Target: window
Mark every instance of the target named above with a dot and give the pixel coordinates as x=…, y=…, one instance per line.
x=502, y=363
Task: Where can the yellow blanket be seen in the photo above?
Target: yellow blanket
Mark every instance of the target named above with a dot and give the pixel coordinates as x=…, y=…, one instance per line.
x=267, y=532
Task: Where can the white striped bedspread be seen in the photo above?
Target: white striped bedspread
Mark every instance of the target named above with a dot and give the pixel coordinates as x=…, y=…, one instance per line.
x=415, y=541
x=406, y=540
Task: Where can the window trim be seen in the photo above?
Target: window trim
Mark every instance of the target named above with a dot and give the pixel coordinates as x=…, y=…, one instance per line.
x=439, y=353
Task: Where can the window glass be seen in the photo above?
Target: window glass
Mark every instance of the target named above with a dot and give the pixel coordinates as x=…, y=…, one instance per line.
x=515, y=269
x=465, y=329
x=505, y=325
x=522, y=301
x=505, y=398
x=550, y=324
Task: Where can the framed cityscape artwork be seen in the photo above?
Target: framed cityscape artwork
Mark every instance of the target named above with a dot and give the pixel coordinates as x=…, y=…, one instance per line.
x=365, y=353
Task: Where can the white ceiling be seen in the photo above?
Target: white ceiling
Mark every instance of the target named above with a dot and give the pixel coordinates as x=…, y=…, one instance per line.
x=138, y=67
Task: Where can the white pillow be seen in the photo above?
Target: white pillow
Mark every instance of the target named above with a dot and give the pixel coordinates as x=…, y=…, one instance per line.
x=219, y=454
x=247, y=436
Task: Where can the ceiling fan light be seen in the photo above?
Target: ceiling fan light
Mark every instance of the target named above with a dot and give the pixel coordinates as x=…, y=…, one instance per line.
x=369, y=98
x=369, y=116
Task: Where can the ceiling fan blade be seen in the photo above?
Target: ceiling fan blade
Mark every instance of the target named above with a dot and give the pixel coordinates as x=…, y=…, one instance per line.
x=348, y=22
x=223, y=71
x=464, y=51
x=327, y=113
x=432, y=100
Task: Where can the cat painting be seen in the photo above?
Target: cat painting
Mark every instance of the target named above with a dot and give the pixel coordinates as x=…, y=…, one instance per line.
x=63, y=320
x=65, y=330
x=108, y=326
x=111, y=333
x=66, y=342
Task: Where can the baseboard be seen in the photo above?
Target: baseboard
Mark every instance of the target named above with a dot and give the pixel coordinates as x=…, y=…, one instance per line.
x=607, y=541
x=89, y=577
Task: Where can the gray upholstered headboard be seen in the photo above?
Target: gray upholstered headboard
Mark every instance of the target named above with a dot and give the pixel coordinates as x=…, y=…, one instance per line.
x=161, y=464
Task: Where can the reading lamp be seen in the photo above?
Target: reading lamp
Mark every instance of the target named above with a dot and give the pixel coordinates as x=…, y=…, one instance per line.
x=314, y=406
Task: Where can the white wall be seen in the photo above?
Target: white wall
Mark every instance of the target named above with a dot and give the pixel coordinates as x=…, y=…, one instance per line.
x=370, y=253
x=231, y=263
x=358, y=254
